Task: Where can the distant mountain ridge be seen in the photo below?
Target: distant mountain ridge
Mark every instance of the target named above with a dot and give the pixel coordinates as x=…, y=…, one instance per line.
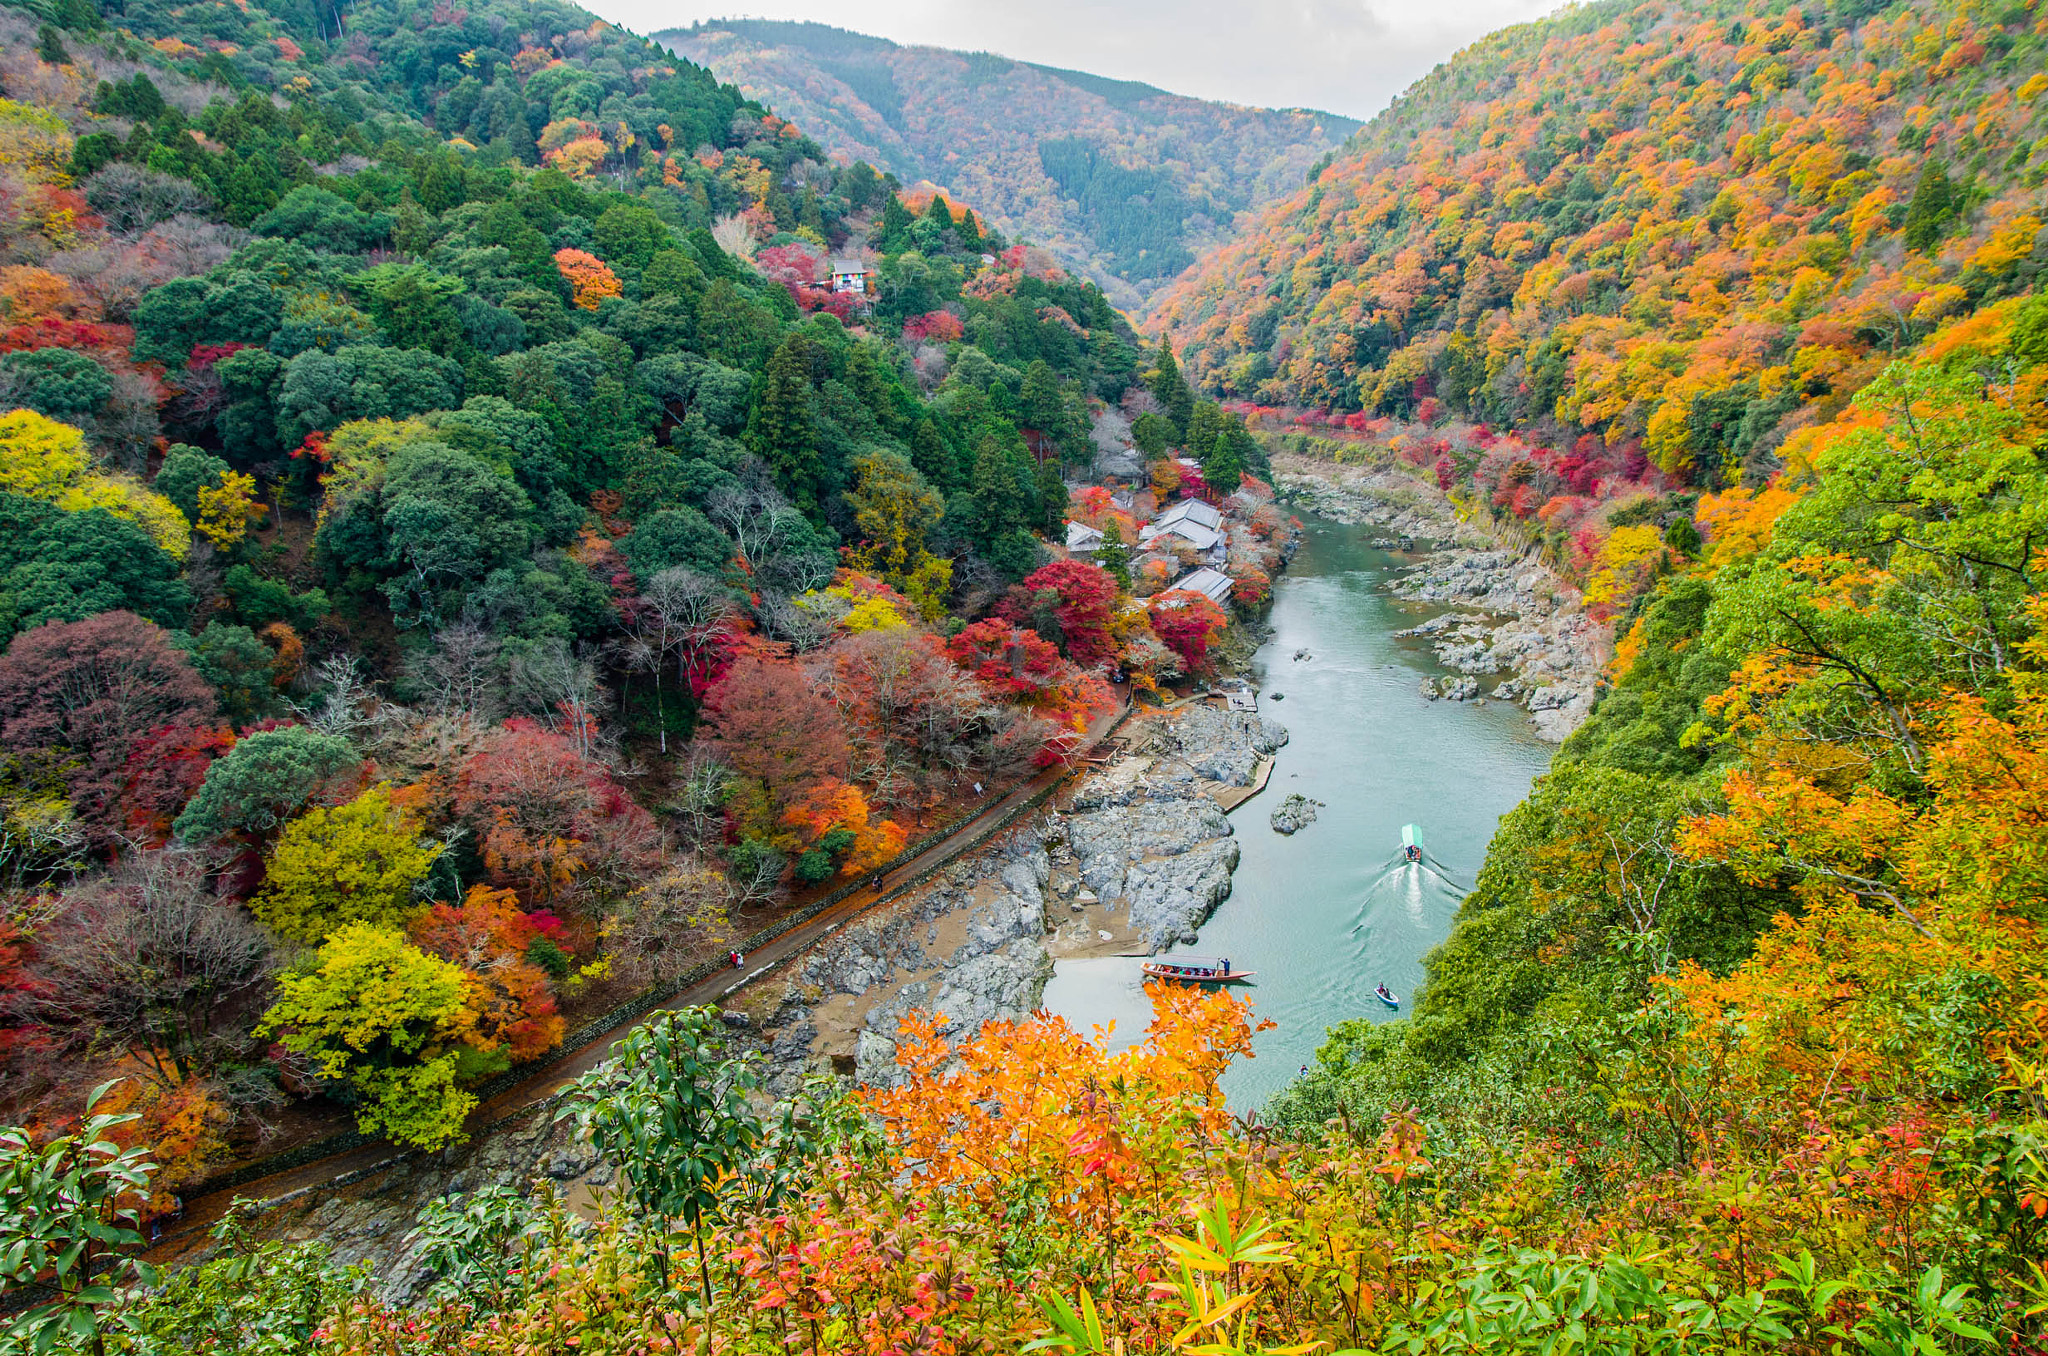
x=1692, y=226
x=1127, y=181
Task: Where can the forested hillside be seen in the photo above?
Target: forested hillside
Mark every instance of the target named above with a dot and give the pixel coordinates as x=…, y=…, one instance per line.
x=463, y=553
x=1127, y=182
x=466, y=561
x=1688, y=228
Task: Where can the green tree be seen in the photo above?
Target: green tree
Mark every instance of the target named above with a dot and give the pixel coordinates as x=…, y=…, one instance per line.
x=362, y=862
x=677, y=1118
x=239, y=667
x=449, y=519
x=1904, y=571
x=59, y=382
x=258, y=601
x=63, y=1207
x=58, y=566
x=185, y=471
x=392, y=1022
x=1199, y=434
x=630, y=236
x=893, y=235
x=676, y=536
x=1042, y=404
x=1051, y=499
x=1114, y=555
x=1005, y=487
x=323, y=220
x=262, y=781
x=1229, y=454
x=415, y=307
x=1152, y=434
x=1170, y=388
x=1933, y=206
x=782, y=431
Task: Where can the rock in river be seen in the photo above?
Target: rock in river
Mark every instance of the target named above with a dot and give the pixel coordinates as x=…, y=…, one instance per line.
x=1296, y=813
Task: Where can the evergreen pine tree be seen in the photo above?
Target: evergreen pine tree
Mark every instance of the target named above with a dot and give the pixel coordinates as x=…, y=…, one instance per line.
x=1229, y=455
x=1042, y=405
x=1171, y=389
x=1003, y=490
x=933, y=459
x=1934, y=202
x=780, y=432
x=969, y=232
x=253, y=189
x=894, y=236
x=860, y=185
x=1204, y=423
x=1052, y=499
x=1114, y=555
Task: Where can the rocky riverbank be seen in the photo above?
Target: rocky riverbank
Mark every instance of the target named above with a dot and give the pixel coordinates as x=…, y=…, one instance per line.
x=1512, y=621
x=1133, y=860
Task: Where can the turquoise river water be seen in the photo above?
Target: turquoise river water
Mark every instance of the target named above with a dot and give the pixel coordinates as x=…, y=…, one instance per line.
x=1323, y=916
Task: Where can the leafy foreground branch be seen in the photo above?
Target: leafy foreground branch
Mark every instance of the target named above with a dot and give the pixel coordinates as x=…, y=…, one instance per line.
x=1026, y=1190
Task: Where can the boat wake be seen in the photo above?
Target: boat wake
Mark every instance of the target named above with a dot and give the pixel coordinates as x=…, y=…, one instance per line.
x=1406, y=906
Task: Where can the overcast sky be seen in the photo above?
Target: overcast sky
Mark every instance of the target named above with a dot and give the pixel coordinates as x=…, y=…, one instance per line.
x=1346, y=56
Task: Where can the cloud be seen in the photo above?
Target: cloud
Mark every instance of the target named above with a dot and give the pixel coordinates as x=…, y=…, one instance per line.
x=1341, y=55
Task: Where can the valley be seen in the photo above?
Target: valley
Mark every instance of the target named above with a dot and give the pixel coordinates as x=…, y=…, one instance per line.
x=1126, y=183
x=615, y=654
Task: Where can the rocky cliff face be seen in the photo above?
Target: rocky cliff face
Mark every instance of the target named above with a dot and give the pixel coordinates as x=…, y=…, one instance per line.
x=1550, y=650
x=1137, y=860
x=970, y=947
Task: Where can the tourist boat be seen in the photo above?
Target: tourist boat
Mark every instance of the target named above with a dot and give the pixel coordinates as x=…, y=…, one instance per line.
x=1411, y=843
x=1386, y=995
x=1195, y=970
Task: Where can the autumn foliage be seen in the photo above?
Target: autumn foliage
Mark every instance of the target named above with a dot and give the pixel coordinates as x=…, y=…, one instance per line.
x=590, y=279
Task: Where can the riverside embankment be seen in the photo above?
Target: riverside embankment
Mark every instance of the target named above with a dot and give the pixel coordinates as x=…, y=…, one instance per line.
x=1139, y=854
x=1355, y=642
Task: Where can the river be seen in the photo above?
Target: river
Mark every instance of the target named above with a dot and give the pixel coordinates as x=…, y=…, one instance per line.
x=1319, y=915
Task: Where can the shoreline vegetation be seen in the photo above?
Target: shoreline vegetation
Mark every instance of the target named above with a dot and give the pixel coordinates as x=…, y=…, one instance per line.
x=491, y=512
x=978, y=944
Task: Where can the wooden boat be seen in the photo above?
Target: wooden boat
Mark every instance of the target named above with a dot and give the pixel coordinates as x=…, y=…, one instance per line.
x=1195, y=970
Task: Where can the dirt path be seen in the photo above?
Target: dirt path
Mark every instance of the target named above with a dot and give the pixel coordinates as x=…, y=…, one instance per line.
x=201, y=1211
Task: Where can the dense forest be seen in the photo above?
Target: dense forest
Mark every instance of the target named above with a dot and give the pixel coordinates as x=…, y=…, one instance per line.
x=1125, y=182
x=476, y=546
x=465, y=551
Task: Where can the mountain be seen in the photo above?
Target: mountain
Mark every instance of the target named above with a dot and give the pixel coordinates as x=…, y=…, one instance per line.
x=1126, y=181
x=1685, y=228
x=332, y=344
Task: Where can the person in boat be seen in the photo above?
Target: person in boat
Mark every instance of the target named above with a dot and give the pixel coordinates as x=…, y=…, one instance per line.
x=1413, y=852
x=1381, y=990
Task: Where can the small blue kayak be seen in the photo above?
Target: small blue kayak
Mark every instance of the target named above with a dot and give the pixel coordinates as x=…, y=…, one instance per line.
x=1387, y=996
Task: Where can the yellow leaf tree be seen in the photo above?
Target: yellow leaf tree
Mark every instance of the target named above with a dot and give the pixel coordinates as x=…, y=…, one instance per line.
x=378, y=1013
x=43, y=459
x=355, y=863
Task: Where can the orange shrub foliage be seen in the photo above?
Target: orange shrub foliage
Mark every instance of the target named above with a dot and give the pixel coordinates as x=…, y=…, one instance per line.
x=589, y=277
